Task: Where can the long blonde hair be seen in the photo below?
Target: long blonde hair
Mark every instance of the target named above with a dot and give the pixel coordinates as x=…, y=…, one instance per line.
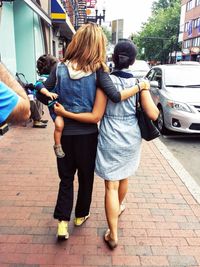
x=87, y=50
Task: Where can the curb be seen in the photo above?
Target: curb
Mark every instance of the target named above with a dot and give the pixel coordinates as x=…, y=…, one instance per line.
x=184, y=175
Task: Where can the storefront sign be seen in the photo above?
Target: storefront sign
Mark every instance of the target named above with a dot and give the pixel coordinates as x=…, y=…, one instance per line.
x=58, y=14
x=195, y=50
x=91, y=3
x=186, y=51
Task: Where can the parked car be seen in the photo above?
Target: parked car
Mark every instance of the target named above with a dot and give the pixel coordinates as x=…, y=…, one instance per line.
x=188, y=62
x=175, y=90
x=140, y=68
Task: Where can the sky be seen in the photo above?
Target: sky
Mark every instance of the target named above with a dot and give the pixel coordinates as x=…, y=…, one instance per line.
x=134, y=13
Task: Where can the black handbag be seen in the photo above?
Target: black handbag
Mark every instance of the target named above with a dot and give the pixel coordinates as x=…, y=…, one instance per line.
x=147, y=127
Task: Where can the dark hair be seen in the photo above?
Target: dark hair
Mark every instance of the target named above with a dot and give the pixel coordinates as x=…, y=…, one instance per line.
x=45, y=64
x=124, y=54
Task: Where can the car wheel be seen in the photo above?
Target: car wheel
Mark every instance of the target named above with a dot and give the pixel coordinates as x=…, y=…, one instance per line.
x=160, y=122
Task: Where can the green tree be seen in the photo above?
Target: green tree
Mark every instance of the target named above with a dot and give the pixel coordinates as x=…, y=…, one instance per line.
x=108, y=34
x=159, y=36
x=162, y=4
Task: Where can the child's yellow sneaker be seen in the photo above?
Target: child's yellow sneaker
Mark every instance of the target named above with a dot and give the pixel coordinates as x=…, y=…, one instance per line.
x=80, y=220
x=62, y=232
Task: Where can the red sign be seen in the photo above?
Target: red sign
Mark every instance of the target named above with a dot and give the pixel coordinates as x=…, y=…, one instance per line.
x=91, y=3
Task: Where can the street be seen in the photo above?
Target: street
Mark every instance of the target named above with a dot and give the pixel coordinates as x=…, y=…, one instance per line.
x=186, y=148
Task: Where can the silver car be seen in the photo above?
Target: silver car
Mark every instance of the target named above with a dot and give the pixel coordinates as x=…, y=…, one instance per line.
x=175, y=90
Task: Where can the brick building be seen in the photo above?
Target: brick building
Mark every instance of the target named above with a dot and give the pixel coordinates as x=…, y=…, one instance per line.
x=190, y=29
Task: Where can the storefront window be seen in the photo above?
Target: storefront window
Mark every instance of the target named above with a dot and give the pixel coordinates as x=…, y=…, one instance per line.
x=7, y=37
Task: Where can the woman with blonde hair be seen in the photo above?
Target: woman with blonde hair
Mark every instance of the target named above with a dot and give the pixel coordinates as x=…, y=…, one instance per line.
x=76, y=81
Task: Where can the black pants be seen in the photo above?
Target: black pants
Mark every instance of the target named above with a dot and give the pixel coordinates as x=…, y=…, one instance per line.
x=80, y=153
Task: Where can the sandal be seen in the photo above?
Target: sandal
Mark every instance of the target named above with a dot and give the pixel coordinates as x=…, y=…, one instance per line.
x=122, y=208
x=112, y=244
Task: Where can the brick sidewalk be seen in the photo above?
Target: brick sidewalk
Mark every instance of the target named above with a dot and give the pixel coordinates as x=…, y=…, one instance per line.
x=160, y=226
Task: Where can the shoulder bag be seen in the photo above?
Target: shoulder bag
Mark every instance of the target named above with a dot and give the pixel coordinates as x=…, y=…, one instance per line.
x=147, y=127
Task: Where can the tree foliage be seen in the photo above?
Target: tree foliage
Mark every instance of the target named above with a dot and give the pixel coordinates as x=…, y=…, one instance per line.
x=162, y=4
x=159, y=36
x=108, y=33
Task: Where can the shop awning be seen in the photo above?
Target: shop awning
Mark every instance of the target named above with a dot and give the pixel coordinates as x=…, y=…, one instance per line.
x=37, y=9
x=60, y=19
x=58, y=14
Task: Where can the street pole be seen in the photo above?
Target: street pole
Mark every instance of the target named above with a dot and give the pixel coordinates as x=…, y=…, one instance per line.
x=100, y=17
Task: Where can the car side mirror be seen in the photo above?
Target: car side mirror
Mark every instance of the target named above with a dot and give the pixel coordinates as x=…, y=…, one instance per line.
x=154, y=84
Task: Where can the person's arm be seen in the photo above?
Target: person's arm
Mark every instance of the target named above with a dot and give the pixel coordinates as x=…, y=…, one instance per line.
x=51, y=95
x=49, y=84
x=44, y=89
x=21, y=111
x=105, y=82
x=148, y=105
x=88, y=117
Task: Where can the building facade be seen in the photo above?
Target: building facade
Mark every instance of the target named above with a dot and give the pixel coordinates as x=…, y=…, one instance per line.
x=31, y=28
x=190, y=29
x=24, y=34
x=117, y=30
x=82, y=12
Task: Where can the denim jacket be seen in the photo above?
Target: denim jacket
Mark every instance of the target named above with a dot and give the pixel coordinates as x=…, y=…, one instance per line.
x=76, y=95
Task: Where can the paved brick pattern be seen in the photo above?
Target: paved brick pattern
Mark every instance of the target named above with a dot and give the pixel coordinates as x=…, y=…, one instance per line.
x=160, y=226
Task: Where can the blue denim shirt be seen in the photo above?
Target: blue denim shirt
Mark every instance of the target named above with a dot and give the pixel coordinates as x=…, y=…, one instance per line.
x=76, y=95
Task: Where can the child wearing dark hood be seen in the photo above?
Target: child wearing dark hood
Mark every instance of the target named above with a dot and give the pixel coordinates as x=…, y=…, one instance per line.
x=45, y=64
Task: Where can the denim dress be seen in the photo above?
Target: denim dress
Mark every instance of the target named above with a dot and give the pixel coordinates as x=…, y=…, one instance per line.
x=119, y=140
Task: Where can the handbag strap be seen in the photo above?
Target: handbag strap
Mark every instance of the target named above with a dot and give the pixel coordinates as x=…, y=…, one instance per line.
x=138, y=98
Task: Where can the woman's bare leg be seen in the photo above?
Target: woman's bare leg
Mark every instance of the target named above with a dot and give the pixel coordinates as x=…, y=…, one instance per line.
x=112, y=207
x=123, y=188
